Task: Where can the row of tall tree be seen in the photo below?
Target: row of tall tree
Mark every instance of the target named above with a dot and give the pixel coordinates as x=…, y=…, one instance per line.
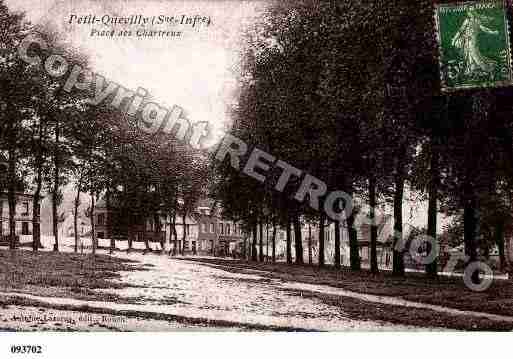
x=349, y=92
x=51, y=137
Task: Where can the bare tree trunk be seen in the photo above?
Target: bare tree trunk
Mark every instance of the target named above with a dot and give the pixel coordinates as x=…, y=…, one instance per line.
x=373, y=228
x=184, y=236
x=322, y=223
x=36, y=207
x=289, y=241
x=175, y=235
x=130, y=233
x=55, y=190
x=354, y=253
x=267, y=240
x=130, y=230
x=244, y=254
x=310, y=259
x=145, y=235
x=160, y=234
x=432, y=268
x=254, y=256
x=274, y=242
x=76, y=205
x=336, y=259
x=93, y=234
x=398, y=250
x=158, y=230
x=171, y=240
x=261, y=243
x=108, y=220
x=11, y=196
x=75, y=228
x=298, y=239
x=36, y=221
x=470, y=219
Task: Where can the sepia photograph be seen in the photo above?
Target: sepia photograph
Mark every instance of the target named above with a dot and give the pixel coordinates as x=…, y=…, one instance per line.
x=222, y=166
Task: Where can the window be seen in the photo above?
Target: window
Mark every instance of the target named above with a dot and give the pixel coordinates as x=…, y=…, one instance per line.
x=101, y=219
x=222, y=228
x=25, y=209
x=187, y=229
x=212, y=228
x=204, y=227
x=25, y=228
x=227, y=228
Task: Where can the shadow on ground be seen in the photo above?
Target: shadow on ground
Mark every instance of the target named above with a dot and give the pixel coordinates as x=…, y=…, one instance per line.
x=448, y=292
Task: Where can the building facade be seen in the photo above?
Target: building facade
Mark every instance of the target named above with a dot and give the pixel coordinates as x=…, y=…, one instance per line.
x=206, y=232
x=126, y=226
x=217, y=236
x=22, y=218
x=83, y=226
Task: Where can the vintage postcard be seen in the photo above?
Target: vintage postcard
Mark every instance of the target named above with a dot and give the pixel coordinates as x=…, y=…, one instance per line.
x=254, y=166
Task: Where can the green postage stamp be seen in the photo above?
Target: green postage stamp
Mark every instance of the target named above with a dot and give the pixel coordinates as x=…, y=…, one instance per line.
x=474, y=45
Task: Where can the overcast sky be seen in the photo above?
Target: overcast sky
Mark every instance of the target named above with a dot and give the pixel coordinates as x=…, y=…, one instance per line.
x=196, y=71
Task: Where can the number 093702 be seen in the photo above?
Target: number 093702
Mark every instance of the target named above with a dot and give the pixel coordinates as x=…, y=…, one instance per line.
x=26, y=349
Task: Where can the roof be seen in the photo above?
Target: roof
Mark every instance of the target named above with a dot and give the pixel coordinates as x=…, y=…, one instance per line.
x=102, y=203
x=202, y=203
x=18, y=193
x=205, y=203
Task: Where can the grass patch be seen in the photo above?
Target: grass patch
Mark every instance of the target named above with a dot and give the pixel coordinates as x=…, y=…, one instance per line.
x=62, y=274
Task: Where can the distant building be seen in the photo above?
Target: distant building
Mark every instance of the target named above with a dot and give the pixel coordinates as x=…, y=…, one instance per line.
x=206, y=232
x=23, y=210
x=22, y=218
x=217, y=235
x=83, y=226
x=124, y=225
x=208, y=227
x=190, y=244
